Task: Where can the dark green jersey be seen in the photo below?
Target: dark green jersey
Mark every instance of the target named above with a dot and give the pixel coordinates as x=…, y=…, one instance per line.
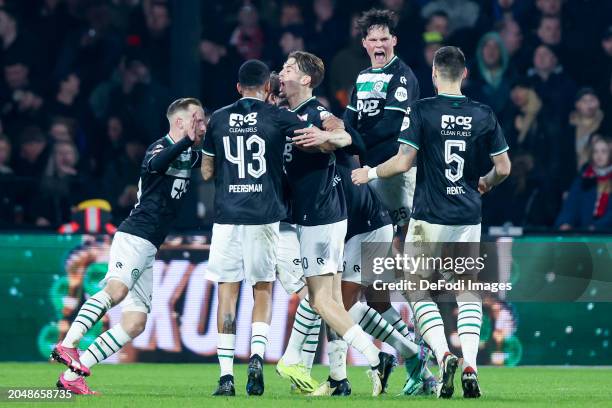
x=451, y=134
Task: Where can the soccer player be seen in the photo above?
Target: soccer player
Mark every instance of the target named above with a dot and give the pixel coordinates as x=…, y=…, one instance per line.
x=451, y=132
x=244, y=152
x=306, y=324
x=164, y=179
x=380, y=99
x=368, y=222
x=319, y=209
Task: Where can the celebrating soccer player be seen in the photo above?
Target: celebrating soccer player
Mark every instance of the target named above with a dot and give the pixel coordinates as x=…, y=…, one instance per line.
x=450, y=132
x=164, y=179
x=320, y=214
x=380, y=99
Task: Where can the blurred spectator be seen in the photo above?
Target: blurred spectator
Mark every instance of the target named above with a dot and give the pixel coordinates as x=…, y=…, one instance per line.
x=549, y=31
x=21, y=101
x=490, y=82
x=131, y=92
x=549, y=8
x=291, y=14
x=217, y=61
x=62, y=130
x=584, y=122
x=512, y=36
x=5, y=155
x=291, y=39
x=152, y=35
x=65, y=101
x=61, y=187
x=508, y=10
x=248, y=37
x=121, y=177
x=16, y=43
x=534, y=129
x=588, y=204
x=110, y=144
x=433, y=42
x=32, y=153
x=460, y=13
x=92, y=50
x=553, y=85
x=540, y=9
x=346, y=65
x=327, y=33
x=438, y=22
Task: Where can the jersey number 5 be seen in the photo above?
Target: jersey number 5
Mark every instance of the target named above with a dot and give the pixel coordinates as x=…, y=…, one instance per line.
x=259, y=152
x=450, y=157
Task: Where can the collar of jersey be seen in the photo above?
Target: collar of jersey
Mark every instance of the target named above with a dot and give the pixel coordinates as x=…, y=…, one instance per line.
x=386, y=65
x=250, y=97
x=170, y=139
x=297, y=108
x=452, y=96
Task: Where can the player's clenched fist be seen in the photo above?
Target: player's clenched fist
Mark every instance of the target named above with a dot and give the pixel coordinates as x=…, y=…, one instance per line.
x=483, y=187
x=360, y=176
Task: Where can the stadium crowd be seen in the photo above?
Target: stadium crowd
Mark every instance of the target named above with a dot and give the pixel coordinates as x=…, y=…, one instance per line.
x=85, y=85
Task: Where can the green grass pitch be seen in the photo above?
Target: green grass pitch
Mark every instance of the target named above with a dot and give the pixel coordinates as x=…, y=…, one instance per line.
x=190, y=385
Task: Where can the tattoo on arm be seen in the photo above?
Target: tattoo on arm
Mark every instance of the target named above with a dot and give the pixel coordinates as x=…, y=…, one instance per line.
x=208, y=167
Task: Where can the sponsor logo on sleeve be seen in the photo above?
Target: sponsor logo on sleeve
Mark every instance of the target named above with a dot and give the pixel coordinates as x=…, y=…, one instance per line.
x=401, y=94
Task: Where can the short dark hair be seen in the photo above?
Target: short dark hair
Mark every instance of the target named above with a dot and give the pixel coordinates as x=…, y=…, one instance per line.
x=376, y=18
x=311, y=65
x=450, y=62
x=182, y=104
x=253, y=73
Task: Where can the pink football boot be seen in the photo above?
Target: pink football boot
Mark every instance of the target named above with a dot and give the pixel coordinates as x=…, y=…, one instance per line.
x=70, y=357
x=78, y=386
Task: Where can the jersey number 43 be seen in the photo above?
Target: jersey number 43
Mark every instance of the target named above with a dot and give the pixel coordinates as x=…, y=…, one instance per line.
x=254, y=144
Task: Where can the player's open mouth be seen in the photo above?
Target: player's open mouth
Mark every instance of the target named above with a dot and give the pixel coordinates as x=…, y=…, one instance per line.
x=379, y=56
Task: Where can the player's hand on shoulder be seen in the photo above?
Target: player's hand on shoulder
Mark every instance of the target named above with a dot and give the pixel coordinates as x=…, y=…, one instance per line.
x=310, y=137
x=360, y=176
x=332, y=122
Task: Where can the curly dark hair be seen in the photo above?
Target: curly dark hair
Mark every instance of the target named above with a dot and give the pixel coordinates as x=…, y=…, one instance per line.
x=377, y=18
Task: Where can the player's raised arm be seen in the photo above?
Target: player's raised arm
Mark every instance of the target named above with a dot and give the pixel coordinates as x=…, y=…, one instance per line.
x=190, y=124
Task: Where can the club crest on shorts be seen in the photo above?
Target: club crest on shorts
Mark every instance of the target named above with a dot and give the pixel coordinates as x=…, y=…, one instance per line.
x=136, y=274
